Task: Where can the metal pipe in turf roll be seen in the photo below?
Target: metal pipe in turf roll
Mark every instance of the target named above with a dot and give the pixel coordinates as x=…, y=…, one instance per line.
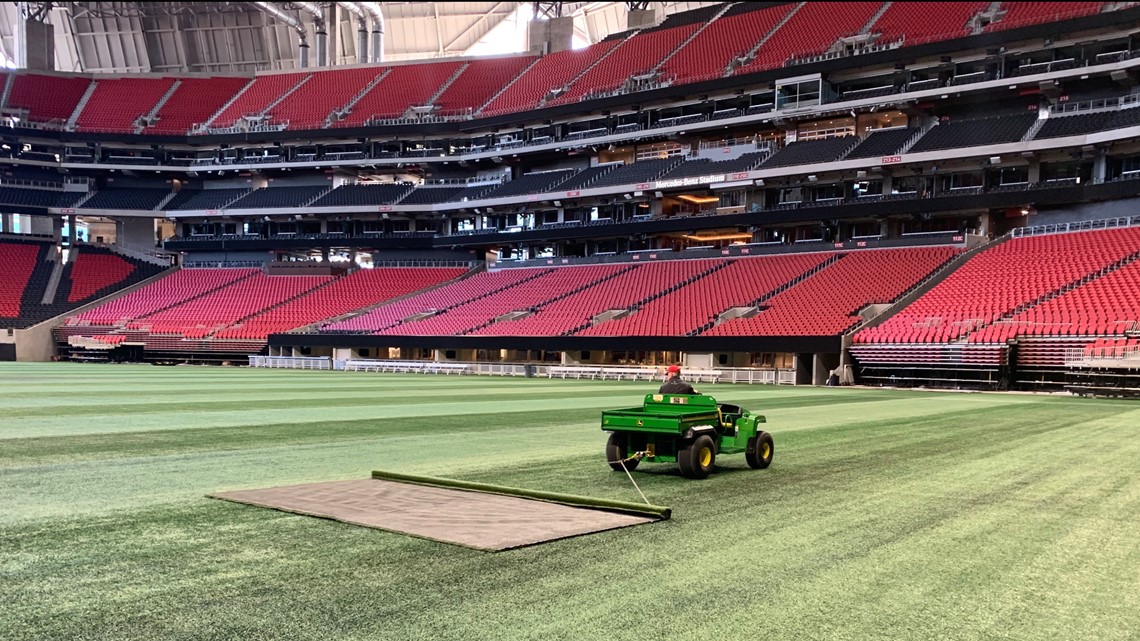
x=655, y=511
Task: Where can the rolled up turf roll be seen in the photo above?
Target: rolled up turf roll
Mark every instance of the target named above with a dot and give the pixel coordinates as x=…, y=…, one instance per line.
x=639, y=509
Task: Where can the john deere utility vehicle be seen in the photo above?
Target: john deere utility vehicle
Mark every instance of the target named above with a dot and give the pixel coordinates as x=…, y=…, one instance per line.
x=691, y=430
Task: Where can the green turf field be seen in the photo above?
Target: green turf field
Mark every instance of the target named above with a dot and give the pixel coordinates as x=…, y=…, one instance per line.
x=886, y=514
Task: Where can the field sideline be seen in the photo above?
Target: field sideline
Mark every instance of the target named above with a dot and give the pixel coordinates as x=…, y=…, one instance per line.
x=886, y=514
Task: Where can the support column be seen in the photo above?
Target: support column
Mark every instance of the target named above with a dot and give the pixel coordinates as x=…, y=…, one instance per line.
x=71, y=230
x=8, y=223
x=550, y=35
x=37, y=46
x=1100, y=166
x=1034, y=170
x=641, y=19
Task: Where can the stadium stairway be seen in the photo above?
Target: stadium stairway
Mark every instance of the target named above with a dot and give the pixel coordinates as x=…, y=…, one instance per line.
x=720, y=318
x=1048, y=296
x=636, y=307
x=281, y=303
x=925, y=286
x=539, y=273
x=314, y=327
x=537, y=307
x=208, y=292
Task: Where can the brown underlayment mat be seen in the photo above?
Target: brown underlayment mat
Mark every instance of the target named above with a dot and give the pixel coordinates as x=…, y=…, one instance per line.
x=469, y=518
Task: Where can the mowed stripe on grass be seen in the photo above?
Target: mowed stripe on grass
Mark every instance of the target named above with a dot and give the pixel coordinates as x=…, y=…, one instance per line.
x=886, y=514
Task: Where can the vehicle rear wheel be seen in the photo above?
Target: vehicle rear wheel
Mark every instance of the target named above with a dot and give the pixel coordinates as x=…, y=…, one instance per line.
x=759, y=451
x=696, y=461
x=615, y=452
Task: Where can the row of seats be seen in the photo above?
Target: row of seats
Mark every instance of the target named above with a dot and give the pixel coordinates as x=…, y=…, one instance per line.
x=816, y=294
x=1002, y=291
x=362, y=288
x=17, y=262
x=307, y=100
x=37, y=197
x=522, y=296
x=92, y=273
x=443, y=298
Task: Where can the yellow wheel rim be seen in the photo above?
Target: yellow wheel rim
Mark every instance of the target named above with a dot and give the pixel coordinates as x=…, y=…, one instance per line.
x=766, y=451
x=706, y=457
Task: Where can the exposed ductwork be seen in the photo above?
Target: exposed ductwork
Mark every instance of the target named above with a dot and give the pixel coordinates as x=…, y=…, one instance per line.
x=302, y=35
x=361, y=32
x=322, y=35
x=373, y=8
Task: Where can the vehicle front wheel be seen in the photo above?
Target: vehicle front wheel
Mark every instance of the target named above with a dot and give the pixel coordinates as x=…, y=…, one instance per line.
x=759, y=451
x=696, y=461
x=615, y=453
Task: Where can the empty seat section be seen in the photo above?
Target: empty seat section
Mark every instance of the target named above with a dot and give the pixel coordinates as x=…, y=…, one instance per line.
x=634, y=56
x=366, y=194
x=199, y=317
x=585, y=178
x=112, y=198
x=117, y=103
x=1060, y=126
x=38, y=197
x=552, y=71
x=405, y=86
x=47, y=98
x=638, y=172
x=445, y=297
x=362, y=288
x=204, y=198
x=536, y=183
x=658, y=279
x=170, y=290
x=1109, y=304
x=311, y=105
x=93, y=271
x=1020, y=14
x=998, y=280
x=732, y=35
x=256, y=97
x=521, y=297
x=277, y=197
x=430, y=195
x=473, y=192
x=697, y=305
x=194, y=102
x=881, y=142
x=602, y=286
x=811, y=31
x=828, y=302
x=17, y=262
x=917, y=22
x=706, y=167
x=481, y=80
x=975, y=133
x=807, y=152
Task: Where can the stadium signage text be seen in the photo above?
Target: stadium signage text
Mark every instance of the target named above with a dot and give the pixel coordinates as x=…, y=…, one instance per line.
x=687, y=182
x=890, y=160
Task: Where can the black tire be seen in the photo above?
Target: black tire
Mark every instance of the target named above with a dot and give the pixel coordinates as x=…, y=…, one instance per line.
x=759, y=451
x=698, y=458
x=615, y=452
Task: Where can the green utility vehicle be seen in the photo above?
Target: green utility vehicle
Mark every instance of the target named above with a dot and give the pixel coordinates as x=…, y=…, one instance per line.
x=688, y=429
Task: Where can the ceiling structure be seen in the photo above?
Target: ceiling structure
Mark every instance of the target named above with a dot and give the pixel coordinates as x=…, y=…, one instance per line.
x=242, y=37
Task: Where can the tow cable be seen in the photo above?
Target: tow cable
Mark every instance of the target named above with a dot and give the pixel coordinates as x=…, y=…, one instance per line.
x=637, y=456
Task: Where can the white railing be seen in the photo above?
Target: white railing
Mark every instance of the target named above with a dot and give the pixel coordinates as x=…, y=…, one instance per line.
x=1082, y=225
x=291, y=362
x=762, y=376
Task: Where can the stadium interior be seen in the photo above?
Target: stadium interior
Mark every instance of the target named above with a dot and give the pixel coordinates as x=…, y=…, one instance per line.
x=778, y=192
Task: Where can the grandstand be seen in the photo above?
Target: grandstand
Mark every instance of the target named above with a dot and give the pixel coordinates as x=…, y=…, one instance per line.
x=732, y=184
x=479, y=224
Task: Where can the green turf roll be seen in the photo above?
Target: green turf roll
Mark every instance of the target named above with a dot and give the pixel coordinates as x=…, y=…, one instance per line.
x=639, y=509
